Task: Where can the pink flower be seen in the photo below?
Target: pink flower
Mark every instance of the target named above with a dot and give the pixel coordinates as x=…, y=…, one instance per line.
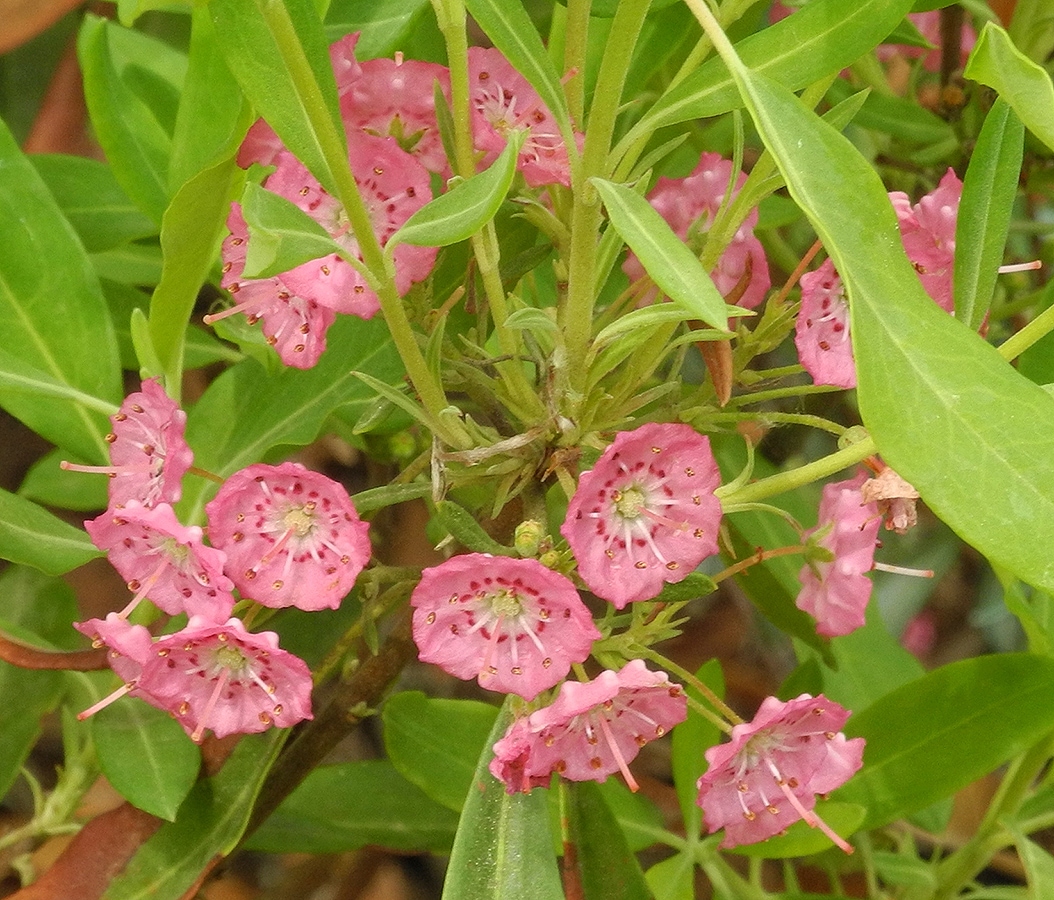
x=295, y=326
x=928, y=232
x=129, y=649
x=226, y=679
x=689, y=206
x=292, y=536
x=393, y=185
x=163, y=560
x=835, y=592
x=592, y=730
x=503, y=100
x=513, y=624
x=821, y=332
x=794, y=749
x=646, y=513
x=395, y=98
x=148, y=454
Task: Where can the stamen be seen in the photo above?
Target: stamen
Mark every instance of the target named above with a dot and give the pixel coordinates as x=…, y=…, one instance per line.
x=1020, y=267
x=619, y=758
x=221, y=683
x=106, y=701
x=901, y=570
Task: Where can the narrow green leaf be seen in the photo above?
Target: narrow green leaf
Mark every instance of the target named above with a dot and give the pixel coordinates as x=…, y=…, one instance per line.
x=819, y=39
x=904, y=119
x=928, y=386
x=352, y=805
x=145, y=755
x=136, y=143
x=281, y=235
x=92, y=201
x=53, y=315
x=190, y=232
x=606, y=867
x=935, y=735
x=209, y=824
x=503, y=849
x=987, y=202
x=1023, y=84
x=435, y=743
x=462, y=211
x=904, y=869
x=674, y=268
x=278, y=54
x=30, y=535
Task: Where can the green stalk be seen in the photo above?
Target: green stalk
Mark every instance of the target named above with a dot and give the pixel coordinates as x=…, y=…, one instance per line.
x=795, y=478
x=576, y=314
x=1038, y=328
x=334, y=150
x=575, y=32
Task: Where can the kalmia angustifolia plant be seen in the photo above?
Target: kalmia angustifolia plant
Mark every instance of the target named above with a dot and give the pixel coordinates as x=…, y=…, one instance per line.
x=533, y=344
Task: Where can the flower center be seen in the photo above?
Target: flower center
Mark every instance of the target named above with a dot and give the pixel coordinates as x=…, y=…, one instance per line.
x=630, y=503
x=232, y=659
x=505, y=604
x=300, y=520
x=176, y=552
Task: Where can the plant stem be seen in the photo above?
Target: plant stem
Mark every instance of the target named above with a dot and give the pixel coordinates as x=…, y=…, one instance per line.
x=1038, y=328
x=576, y=313
x=810, y=472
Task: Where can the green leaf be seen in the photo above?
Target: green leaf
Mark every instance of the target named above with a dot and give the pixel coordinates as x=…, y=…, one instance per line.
x=434, y=743
x=44, y=607
x=278, y=54
x=928, y=386
x=819, y=39
x=1027, y=87
x=92, y=201
x=673, y=878
x=935, y=735
x=190, y=231
x=352, y=805
x=52, y=314
x=904, y=869
x=145, y=755
x=462, y=211
x=606, y=868
x=209, y=824
x=674, y=268
x=868, y=663
x=281, y=235
x=123, y=115
x=49, y=485
x=904, y=119
x=245, y=412
x=987, y=202
x=503, y=849
x=213, y=115
x=32, y=536
x=385, y=25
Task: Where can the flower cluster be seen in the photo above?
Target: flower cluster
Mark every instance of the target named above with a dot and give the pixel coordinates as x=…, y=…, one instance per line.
x=280, y=535
x=388, y=111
